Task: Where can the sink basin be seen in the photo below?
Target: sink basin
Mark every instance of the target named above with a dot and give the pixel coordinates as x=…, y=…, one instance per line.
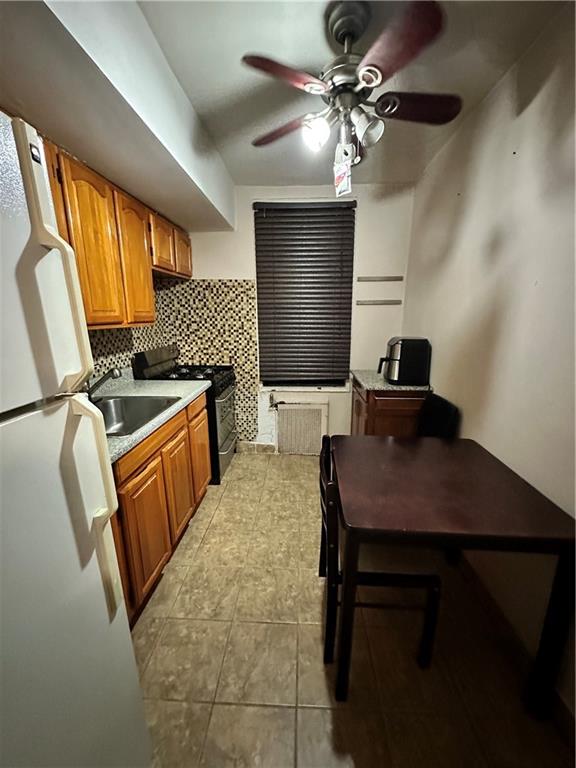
x=124, y=415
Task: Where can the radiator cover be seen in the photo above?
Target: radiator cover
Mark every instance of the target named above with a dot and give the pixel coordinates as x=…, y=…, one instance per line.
x=301, y=426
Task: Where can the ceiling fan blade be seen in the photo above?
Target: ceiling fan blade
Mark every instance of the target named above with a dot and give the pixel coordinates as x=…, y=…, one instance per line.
x=401, y=41
x=283, y=130
x=433, y=108
x=294, y=77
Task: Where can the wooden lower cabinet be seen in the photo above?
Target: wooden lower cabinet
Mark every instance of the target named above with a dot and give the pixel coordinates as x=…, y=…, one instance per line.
x=200, y=445
x=359, y=412
x=160, y=482
x=143, y=503
x=386, y=412
x=118, y=533
x=178, y=474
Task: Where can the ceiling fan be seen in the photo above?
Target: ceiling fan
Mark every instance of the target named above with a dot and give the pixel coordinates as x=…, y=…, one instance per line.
x=347, y=83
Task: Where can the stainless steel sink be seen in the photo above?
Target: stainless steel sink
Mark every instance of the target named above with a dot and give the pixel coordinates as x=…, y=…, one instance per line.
x=124, y=415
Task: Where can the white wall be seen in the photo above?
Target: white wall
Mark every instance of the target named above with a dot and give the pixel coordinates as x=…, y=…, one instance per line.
x=118, y=39
x=491, y=283
x=383, y=218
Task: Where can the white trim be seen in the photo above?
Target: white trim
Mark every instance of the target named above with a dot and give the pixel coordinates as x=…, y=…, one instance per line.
x=339, y=390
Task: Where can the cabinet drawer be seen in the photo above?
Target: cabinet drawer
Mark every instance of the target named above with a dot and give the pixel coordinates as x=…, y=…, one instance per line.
x=382, y=403
x=196, y=407
x=132, y=460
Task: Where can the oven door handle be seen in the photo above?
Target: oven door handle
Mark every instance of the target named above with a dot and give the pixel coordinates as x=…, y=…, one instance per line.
x=229, y=445
x=225, y=399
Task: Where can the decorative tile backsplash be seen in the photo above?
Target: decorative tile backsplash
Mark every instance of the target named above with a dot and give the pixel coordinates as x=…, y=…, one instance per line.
x=212, y=321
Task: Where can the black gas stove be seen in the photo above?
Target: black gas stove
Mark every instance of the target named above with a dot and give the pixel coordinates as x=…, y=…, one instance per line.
x=162, y=363
x=221, y=376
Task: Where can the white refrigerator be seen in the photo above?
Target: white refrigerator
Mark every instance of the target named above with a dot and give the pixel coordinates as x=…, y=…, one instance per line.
x=69, y=690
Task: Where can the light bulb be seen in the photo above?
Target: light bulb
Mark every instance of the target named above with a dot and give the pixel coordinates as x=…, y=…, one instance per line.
x=316, y=133
x=369, y=128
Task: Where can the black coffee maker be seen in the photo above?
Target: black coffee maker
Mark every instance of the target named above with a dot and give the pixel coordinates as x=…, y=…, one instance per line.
x=407, y=361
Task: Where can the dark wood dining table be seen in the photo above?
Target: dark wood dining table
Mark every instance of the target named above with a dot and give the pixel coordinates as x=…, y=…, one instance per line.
x=450, y=495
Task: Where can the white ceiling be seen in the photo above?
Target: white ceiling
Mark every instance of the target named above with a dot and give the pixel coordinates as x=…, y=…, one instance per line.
x=204, y=42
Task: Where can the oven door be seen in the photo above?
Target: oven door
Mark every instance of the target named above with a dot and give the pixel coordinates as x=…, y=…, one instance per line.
x=226, y=452
x=225, y=416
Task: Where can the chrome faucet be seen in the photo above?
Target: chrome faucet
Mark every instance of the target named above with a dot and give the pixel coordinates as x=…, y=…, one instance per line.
x=113, y=373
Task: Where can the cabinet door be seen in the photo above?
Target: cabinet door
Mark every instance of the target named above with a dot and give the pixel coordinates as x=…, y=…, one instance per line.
x=395, y=416
x=119, y=543
x=132, y=221
x=55, y=178
x=143, y=503
x=163, y=255
x=359, y=413
x=183, y=253
x=92, y=226
x=200, y=446
x=178, y=477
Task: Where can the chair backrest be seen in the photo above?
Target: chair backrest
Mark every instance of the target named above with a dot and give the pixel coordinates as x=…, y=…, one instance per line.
x=439, y=418
x=329, y=496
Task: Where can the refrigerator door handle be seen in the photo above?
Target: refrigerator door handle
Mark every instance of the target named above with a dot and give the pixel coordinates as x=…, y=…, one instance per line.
x=43, y=230
x=102, y=527
x=107, y=561
x=74, y=381
x=81, y=406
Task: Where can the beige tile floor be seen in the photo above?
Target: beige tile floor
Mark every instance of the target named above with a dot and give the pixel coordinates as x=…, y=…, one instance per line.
x=230, y=652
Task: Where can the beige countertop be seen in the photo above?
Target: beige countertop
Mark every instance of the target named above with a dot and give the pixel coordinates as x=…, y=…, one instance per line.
x=126, y=386
x=374, y=380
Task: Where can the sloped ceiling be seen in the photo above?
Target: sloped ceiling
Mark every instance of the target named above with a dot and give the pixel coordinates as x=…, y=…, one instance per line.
x=91, y=77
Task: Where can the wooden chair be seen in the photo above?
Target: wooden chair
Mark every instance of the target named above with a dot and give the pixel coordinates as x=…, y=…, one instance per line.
x=441, y=418
x=379, y=566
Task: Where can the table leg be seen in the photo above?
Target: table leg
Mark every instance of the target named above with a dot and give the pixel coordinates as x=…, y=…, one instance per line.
x=347, y=603
x=539, y=694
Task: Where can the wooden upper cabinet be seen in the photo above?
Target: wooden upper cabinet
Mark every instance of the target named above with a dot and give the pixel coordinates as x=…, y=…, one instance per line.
x=56, y=187
x=183, y=252
x=132, y=221
x=163, y=252
x=143, y=504
x=178, y=477
x=200, y=446
x=92, y=225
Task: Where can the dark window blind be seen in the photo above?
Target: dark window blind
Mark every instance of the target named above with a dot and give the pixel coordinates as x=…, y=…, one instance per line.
x=304, y=264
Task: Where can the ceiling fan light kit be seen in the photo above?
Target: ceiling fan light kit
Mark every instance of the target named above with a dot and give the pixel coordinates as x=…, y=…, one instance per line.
x=346, y=84
x=369, y=128
x=315, y=133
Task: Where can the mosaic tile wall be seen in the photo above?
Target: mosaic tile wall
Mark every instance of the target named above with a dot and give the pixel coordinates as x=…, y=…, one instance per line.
x=212, y=321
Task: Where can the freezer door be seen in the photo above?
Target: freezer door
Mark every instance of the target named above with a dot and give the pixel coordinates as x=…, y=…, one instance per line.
x=43, y=334
x=70, y=694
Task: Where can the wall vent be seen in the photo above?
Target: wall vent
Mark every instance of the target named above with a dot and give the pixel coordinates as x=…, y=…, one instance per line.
x=301, y=426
